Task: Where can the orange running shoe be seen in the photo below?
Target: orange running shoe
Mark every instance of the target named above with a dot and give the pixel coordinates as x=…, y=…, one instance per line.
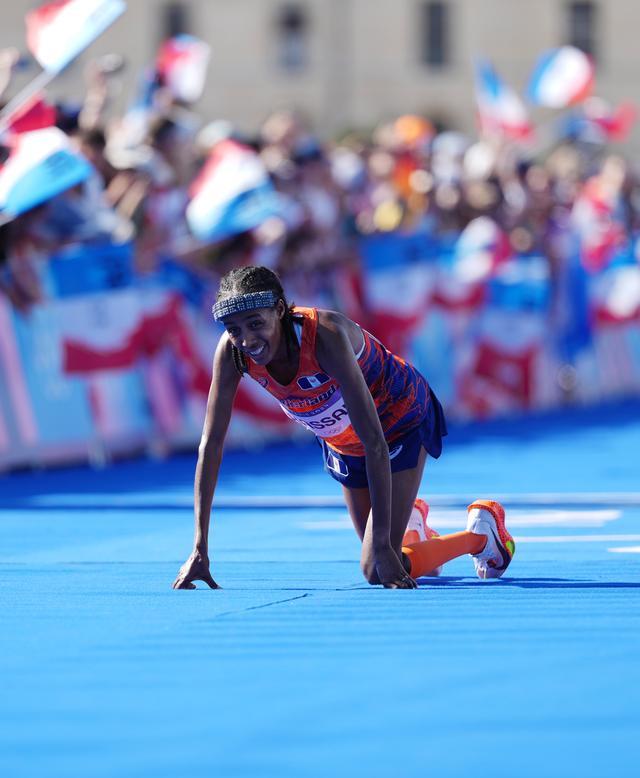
x=486, y=517
x=418, y=530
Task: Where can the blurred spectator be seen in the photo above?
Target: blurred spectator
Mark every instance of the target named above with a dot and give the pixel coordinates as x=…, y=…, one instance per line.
x=405, y=177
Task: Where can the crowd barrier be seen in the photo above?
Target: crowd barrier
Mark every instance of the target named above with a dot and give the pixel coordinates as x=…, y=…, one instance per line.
x=114, y=363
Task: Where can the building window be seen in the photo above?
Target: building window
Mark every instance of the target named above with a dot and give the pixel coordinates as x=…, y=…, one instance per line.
x=582, y=26
x=175, y=21
x=434, y=34
x=293, y=35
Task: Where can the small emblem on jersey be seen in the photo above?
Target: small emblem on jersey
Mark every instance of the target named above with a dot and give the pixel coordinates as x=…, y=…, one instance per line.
x=307, y=382
x=264, y=382
x=393, y=453
x=337, y=465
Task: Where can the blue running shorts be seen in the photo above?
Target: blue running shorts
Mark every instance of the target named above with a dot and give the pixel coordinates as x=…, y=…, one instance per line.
x=351, y=471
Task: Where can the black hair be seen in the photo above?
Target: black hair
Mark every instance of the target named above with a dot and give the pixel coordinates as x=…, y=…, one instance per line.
x=243, y=280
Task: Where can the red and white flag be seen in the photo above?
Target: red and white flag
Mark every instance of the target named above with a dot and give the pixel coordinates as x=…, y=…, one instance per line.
x=182, y=66
x=35, y=114
x=58, y=31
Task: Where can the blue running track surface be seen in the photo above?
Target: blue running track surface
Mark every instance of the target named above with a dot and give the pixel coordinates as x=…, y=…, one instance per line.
x=297, y=667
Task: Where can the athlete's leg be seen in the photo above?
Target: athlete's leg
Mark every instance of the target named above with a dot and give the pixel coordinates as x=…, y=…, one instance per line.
x=419, y=558
x=359, y=505
x=431, y=554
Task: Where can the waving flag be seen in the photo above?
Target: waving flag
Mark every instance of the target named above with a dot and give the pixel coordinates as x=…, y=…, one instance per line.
x=500, y=109
x=480, y=249
x=35, y=114
x=232, y=194
x=396, y=285
x=182, y=66
x=614, y=124
x=597, y=218
x=562, y=77
x=41, y=165
x=57, y=32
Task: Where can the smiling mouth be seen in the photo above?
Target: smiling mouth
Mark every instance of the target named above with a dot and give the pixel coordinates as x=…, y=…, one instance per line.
x=256, y=353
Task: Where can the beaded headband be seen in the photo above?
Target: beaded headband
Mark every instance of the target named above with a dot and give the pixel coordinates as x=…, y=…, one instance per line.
x=244, y=302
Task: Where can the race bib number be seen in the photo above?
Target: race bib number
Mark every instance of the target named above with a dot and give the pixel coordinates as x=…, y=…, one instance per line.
x=325, y=422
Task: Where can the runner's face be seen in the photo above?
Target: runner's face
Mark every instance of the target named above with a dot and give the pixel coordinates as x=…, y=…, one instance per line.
x=256, y=333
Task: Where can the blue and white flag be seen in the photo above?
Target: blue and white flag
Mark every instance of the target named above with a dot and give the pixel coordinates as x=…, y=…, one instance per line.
x=41, y=165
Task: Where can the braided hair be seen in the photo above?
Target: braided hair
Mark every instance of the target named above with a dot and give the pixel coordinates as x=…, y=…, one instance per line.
x=243, y=280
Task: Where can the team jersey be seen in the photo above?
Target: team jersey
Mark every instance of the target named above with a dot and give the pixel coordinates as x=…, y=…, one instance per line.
x=314, y=399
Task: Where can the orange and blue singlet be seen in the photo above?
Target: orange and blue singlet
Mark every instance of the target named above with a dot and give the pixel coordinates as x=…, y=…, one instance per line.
x=401, y=394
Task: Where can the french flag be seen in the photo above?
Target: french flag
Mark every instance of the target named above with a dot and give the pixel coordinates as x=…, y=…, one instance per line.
x=182, y=64
x=41, y=165
x=562, y=77
x=232, y=194
x=500, y=109
x=58, y=31
x=614, y=124
x=35, y=114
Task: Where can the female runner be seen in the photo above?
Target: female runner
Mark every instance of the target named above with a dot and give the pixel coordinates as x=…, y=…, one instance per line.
x=374, y=415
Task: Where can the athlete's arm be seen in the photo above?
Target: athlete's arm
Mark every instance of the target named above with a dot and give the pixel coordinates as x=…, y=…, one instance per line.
x=335, y=353
x=224, y=384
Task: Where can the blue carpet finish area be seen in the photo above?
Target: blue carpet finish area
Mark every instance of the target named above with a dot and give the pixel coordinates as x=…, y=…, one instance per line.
x=297, y=667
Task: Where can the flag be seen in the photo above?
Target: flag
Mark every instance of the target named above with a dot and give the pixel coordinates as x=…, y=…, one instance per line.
x=479, y=250
x=562, y=77
x=232, y=194
x=502, y=367
x=597, y=218
x=500, y=379
x=41, y=165
x=614, y=124
x=500, y=109
x=114, y=330
x=182, y=66
x=521, y=284
x=397, y=282
x=58, y=31
x=615, y=295
x=35, y=114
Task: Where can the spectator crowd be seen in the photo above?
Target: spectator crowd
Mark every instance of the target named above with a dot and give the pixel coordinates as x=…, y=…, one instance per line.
x=404, y=177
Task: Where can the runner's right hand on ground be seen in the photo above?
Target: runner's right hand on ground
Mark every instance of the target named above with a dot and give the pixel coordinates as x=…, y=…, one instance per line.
x=196, y=568
x=391, y=573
